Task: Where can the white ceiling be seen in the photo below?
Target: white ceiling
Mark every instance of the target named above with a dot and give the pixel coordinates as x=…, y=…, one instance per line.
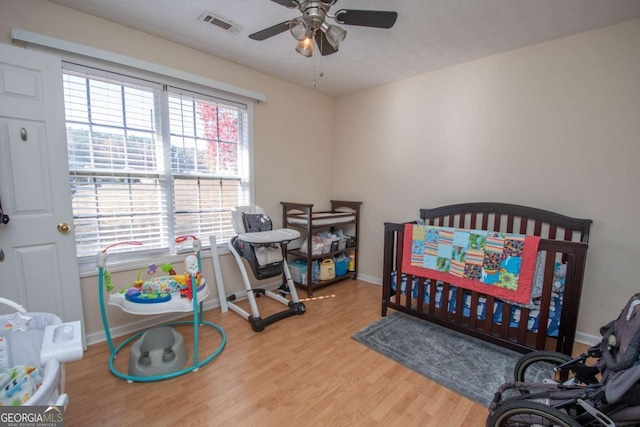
x=428, y=35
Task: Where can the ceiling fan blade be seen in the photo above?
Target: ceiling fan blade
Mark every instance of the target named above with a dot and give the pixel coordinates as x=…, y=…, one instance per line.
x=271, y=31
x=287, y=3
x=367, y=18
x=323, y=44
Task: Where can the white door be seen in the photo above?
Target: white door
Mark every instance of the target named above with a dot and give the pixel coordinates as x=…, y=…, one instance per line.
x=39, y=266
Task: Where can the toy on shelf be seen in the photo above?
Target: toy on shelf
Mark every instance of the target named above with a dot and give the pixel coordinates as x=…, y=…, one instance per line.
x=158, y=295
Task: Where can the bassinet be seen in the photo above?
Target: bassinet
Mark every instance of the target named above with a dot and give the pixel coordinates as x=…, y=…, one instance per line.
x=42, y=341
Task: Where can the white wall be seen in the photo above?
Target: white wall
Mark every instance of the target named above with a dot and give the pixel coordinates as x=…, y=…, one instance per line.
x=287, y=167
x=554, y=126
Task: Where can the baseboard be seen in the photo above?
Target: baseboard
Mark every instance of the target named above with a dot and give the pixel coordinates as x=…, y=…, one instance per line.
x=587, y=339
x=370, y=279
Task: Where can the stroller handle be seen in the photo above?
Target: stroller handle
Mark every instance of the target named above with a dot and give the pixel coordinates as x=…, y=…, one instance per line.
x=13, y=304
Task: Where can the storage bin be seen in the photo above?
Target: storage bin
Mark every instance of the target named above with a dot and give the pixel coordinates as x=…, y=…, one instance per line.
x=297, y=268
x=351, y=241
x=341, y=265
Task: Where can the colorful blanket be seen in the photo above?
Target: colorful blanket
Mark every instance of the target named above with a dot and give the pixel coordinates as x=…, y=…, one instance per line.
x=18, y=385
x=494, y=263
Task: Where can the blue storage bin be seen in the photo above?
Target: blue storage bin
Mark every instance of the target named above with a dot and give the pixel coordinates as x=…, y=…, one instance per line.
x=341, y=266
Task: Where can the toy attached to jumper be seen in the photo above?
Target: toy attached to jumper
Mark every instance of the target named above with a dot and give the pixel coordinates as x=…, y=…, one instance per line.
x=158, y=294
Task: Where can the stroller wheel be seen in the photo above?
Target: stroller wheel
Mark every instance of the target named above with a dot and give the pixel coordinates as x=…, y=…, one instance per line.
x=524, y=413
x=537, y=366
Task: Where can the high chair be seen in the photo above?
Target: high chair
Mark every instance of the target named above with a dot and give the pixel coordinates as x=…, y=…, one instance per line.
x=263, y=249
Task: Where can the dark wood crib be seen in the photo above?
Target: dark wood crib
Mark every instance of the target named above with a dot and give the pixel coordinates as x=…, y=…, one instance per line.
x=564, y=240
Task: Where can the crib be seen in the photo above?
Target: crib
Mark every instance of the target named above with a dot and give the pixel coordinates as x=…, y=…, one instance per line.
x=547, y=321
x=34, y=348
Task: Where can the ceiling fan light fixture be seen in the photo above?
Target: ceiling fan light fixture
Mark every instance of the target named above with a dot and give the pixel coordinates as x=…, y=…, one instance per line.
x=335, y=35
x=305, y=47
x=299, y=27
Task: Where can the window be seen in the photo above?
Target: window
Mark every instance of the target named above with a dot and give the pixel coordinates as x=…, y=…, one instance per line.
x=149, y=162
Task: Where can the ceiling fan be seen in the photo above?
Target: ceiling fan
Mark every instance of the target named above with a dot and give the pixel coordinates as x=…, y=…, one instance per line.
x=312, y=24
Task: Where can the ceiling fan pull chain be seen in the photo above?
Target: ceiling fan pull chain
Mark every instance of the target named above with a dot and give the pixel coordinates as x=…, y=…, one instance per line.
x=313, y=82
x=321, y=50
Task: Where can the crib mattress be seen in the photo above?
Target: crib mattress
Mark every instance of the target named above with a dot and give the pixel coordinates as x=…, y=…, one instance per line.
x=322, y=218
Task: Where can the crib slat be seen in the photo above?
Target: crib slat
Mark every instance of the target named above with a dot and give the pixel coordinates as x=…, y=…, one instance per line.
x=545, y=300
x=523, y=225
x=488, y=322
x=568, y=234
x=552, y=231
x=409, y=291
x=506, y=317
x=522, y=325
x=509, y=223
x=496, y=222
x=432, y=297
x=420, y=301
x=537, y=228
x=459, y=305
x=473, y=314
x=444, y=306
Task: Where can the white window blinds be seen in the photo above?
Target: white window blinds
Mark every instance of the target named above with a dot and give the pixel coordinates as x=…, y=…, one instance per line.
x=208, y=163
x=150, y=162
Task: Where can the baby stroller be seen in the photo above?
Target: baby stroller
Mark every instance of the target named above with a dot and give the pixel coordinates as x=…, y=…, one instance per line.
x=552, y=389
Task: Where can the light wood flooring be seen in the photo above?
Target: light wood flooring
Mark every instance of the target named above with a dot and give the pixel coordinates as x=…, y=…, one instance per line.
x=302, y=371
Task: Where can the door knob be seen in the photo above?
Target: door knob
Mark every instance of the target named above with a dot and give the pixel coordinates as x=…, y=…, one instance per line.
x=63, y=227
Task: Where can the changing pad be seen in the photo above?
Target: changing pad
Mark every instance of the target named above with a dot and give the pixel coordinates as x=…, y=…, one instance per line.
x=323, y=218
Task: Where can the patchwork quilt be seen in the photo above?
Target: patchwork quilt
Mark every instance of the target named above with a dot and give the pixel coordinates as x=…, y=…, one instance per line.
x=494, y=263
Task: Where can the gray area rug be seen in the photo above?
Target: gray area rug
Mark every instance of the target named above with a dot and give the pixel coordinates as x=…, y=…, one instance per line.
x=463, y=364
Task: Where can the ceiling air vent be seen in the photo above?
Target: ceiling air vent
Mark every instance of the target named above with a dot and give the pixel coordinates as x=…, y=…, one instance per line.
x=210, y=18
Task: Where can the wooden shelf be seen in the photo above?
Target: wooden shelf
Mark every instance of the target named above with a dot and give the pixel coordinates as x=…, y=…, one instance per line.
x=340, y=210
x=349, y=275
x=297, y=253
